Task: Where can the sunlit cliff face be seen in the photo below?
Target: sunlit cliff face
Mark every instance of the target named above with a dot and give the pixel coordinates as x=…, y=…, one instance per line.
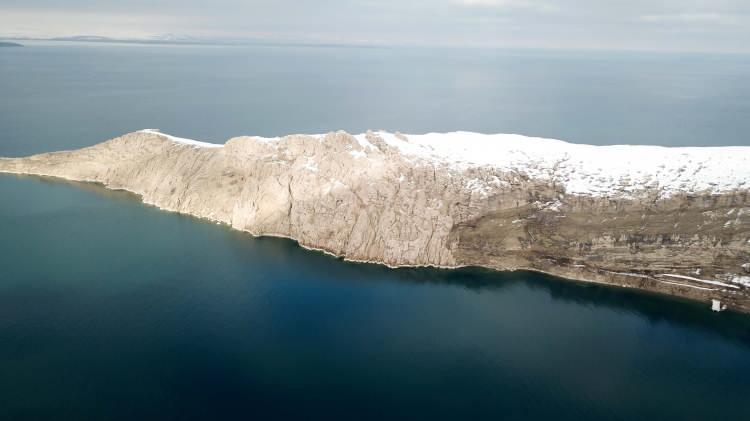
x=671, y=220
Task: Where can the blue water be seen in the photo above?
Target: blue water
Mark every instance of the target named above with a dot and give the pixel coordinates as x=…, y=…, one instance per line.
x=110, y=309
x=65, y=96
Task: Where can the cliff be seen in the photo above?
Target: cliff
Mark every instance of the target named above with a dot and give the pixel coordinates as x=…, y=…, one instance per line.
x=668, y=220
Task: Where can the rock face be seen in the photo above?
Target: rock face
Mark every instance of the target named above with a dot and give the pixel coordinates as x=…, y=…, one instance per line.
x=669, y=220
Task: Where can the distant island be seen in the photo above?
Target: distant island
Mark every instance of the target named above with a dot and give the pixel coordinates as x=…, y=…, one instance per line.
x=165, y=39
x=159, y=39
x=669, y=220
x=174, y=39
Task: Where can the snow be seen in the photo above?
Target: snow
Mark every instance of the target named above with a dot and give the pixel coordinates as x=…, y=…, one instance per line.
x=705, y=281
x=311, y=165
x=620, y=170
x=586, y=169
x=363, y=142
x=191, y=142
x=668, y=282
x=553, y=206
x=477, y=186
x=690, y=286
x=742, y=280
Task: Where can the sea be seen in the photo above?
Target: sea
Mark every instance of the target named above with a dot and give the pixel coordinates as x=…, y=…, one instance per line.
x=111, y=309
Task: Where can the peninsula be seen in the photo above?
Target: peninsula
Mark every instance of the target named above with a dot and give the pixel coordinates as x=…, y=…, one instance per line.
x=668, y=220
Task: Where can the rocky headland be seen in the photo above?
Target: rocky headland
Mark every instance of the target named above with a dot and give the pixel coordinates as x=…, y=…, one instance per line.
x=669, y=220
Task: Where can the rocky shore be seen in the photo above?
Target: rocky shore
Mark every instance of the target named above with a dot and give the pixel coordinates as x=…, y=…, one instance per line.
x=669, y=220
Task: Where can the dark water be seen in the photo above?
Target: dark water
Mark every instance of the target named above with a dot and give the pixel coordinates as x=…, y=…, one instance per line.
x=110, y=309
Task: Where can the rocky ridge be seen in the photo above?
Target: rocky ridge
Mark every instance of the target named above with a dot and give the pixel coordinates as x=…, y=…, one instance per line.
x=668, y=220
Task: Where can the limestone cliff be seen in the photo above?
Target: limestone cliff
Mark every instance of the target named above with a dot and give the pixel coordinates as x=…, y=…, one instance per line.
x=670, y=220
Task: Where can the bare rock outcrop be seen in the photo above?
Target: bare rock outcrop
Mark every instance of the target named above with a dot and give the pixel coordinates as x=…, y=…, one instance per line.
x=678, y=224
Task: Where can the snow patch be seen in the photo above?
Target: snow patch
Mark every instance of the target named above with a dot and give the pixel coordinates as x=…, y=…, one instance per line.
x=191, y=142
x=620, y=170
x=689, y=286
x=742, y=280
x=705, y=281
x=477, y=186
x=585, y=169
x=311, y=165
x=363, y=142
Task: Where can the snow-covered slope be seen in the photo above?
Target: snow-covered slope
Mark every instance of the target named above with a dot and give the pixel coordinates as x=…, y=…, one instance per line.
x=191, y=142
x=587, y=169
x=618, y=170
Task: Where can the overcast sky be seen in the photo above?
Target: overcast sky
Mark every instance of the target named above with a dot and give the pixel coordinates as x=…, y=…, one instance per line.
x=677, y=25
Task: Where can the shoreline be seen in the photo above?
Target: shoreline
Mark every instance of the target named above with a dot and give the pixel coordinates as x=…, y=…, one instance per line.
x=598, y=275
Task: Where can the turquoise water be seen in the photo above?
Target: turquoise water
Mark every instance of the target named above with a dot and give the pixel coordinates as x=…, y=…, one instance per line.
x=110, y=309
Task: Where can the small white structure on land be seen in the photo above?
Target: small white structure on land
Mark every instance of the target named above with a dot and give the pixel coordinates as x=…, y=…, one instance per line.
x=716, y=305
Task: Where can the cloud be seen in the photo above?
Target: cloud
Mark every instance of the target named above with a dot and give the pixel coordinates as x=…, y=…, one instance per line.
x=691, y=18
x=531, y=5
x=677, y=25
x=33, y=23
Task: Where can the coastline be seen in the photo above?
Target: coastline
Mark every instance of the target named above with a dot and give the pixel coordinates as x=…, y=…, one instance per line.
x=401, y=201
x=598, y=277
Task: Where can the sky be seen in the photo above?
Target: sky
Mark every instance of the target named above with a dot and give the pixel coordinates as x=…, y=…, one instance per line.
x=658, y=25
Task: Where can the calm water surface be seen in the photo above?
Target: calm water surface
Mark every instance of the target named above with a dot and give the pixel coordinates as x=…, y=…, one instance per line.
x=68, y=96
x=110, y=309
